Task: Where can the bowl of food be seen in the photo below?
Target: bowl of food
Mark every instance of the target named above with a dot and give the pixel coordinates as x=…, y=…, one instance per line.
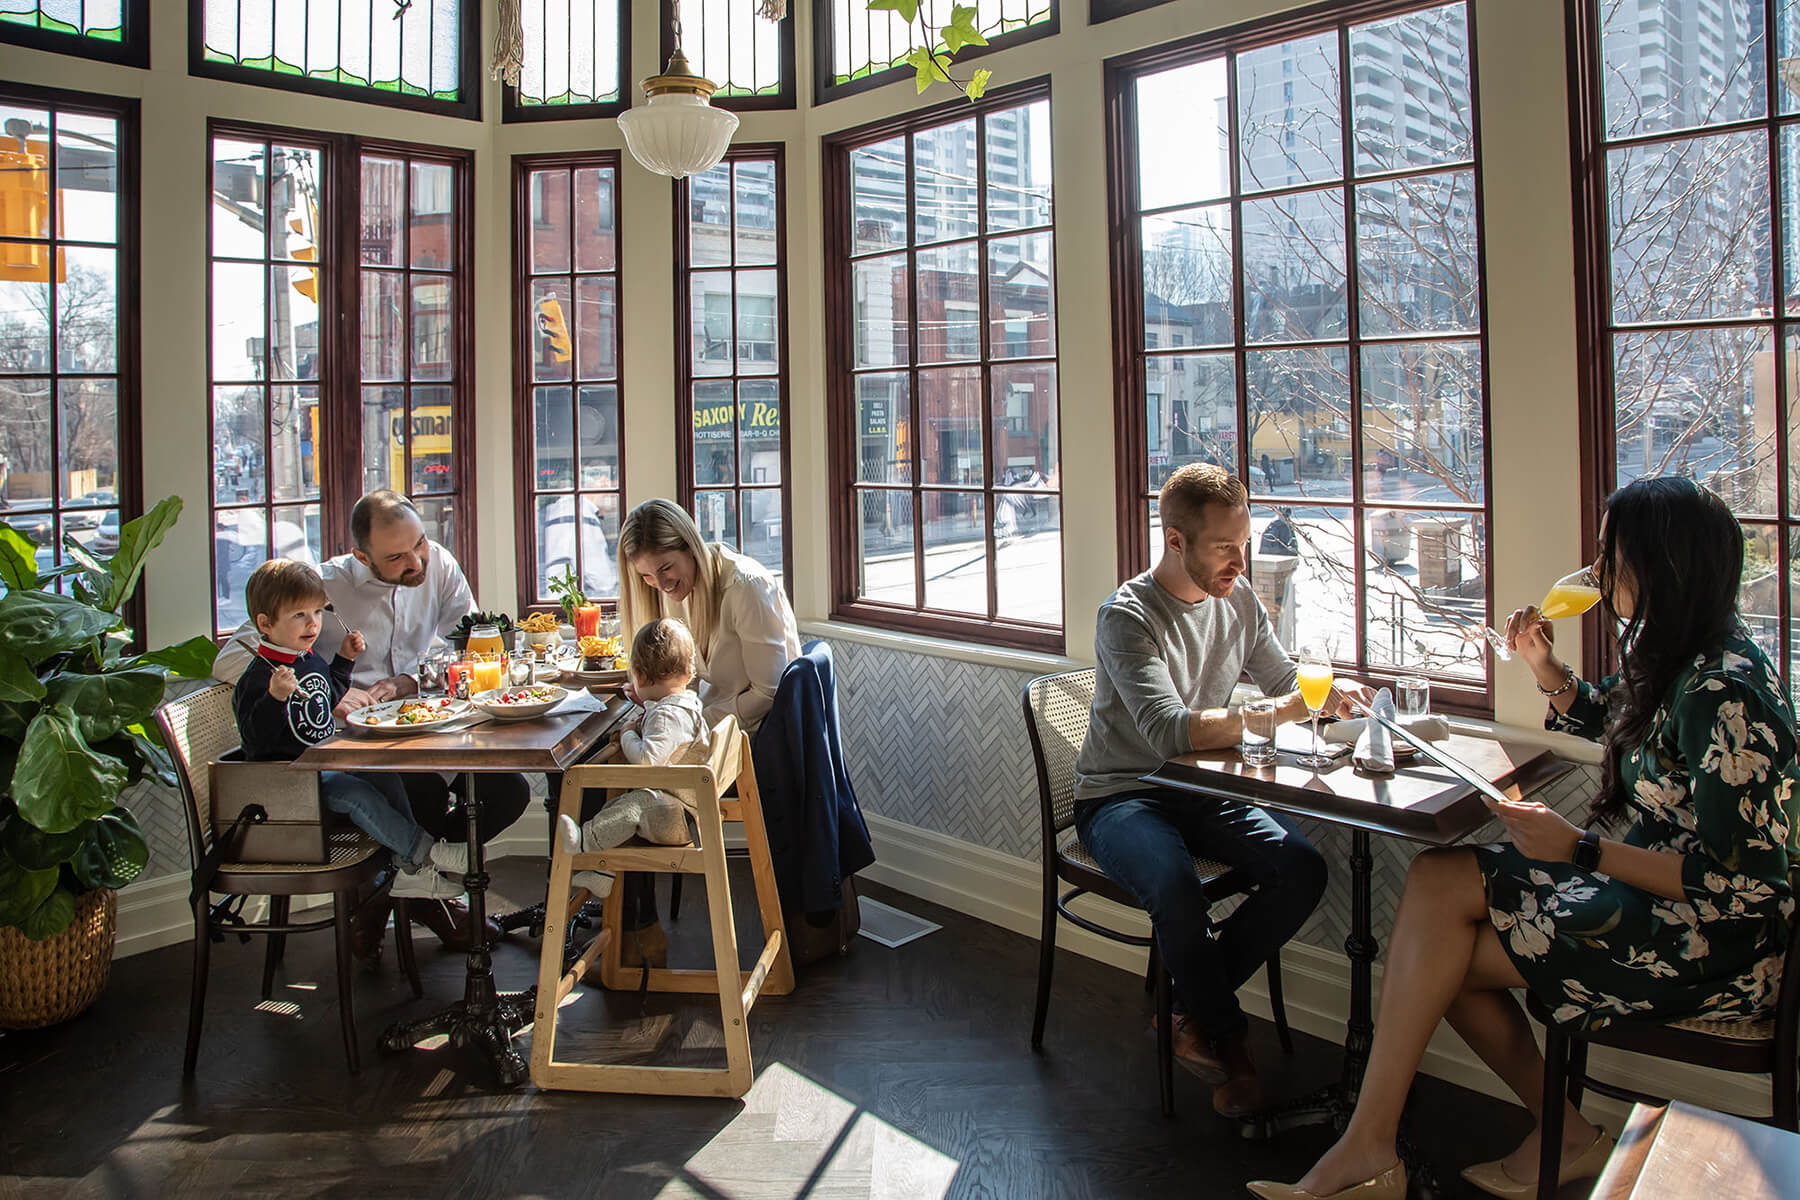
x=518, y=703
x=540, y=630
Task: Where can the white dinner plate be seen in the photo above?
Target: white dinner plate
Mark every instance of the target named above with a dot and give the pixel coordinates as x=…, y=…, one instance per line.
x=378, y=719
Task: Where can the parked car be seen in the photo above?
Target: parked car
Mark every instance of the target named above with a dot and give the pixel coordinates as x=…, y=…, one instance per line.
x=75, y=518
x=40, y=527
x=106, y=535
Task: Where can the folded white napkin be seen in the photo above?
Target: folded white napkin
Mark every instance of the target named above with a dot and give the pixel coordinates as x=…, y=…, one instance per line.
x=1431, y=728
x=1375, y=747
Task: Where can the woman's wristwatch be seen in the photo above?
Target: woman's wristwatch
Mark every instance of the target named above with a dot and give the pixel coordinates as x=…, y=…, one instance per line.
x=1587, y=852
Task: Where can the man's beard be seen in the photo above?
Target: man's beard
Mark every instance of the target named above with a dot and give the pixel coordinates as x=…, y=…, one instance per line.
x=406, y=580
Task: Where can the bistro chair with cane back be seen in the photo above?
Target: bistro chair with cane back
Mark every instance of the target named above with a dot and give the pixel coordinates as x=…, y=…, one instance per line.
x=1056, y=719
x=701, y=785
x=200, y=732
x=1770, y=1047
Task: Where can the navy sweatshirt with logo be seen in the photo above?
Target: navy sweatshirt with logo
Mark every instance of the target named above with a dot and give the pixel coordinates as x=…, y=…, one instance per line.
x=279, y=730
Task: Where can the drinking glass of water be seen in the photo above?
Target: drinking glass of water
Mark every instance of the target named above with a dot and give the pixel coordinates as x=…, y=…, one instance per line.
x=1257, y=746
x=1413, y=698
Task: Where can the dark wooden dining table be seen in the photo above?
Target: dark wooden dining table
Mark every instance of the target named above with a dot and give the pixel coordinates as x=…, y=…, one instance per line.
x=1420, y=802
x=485, y=1017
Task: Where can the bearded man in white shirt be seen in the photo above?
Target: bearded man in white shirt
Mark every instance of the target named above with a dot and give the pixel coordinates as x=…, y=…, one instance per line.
x=403, y=592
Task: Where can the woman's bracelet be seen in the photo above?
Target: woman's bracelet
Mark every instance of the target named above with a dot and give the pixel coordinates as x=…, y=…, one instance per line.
x=1568, y=683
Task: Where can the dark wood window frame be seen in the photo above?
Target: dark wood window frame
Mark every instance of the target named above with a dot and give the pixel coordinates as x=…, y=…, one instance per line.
x=841, y=399
x=469, y=72
x=340, y=481
x=781, y=99
x=131, y=50
x=515, y=111
x=685, y=377
x=1594, y=327
x=129, y=489
x=825, y=89
x=1126, y=269
x=524, y=415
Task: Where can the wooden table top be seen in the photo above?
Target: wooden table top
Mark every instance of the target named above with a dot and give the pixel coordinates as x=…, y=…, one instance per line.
x=548, y=743
x=1420, y=801
x=1681, y=1151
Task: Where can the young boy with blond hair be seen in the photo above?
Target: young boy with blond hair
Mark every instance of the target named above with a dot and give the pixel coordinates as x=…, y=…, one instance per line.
x=672, y=730
x=283, y=704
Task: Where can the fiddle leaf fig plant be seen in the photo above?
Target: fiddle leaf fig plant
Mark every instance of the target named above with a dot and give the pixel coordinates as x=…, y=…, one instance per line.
x=75, y=727
x=933, y=65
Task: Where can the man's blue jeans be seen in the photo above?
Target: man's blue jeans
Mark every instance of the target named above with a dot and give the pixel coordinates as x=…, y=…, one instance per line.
x=376, y=804
x=1147, y=842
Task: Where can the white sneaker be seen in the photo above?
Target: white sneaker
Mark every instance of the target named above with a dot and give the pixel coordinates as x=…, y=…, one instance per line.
x=452, y=858
x=426, y=883
x=598, y=883
x=568, y=836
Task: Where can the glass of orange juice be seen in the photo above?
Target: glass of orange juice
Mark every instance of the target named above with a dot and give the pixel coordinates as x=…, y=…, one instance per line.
x=1315, y=688
x=486, y=674
x=1569, y=596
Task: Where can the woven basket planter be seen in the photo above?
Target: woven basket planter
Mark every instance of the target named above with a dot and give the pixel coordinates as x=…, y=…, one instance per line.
x=43, y=983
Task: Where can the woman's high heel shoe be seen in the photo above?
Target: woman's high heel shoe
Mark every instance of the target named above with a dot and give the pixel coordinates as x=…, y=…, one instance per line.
x=1491, y=1177
x=1389, y=1185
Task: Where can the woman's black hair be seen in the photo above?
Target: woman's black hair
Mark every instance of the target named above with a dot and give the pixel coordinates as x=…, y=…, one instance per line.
x=1683, y=552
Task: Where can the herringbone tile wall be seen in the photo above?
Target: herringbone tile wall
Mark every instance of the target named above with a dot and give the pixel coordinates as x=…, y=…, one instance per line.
x=940, y=743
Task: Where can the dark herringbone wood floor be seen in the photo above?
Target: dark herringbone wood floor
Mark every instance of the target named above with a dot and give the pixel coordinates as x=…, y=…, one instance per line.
x=890, y=1073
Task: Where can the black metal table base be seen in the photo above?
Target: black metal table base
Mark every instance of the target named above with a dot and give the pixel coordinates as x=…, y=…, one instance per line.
x=1333, y=1103
x=484, y=1018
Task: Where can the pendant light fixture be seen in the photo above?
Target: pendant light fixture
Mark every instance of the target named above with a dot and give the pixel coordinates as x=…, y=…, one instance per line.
x=677, y=132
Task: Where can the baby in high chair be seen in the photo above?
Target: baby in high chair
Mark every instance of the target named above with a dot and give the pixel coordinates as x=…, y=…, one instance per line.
x=672, y=730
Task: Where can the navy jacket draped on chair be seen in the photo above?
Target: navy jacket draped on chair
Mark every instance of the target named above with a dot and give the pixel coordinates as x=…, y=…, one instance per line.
x=817, y=836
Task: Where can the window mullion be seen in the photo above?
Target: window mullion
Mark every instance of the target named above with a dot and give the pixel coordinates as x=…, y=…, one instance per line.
x=1353, y=351
x=985, y=373
x=916, y=469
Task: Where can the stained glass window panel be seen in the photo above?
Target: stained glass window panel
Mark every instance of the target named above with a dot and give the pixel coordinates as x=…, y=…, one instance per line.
x=571, y=52
x=409, y=49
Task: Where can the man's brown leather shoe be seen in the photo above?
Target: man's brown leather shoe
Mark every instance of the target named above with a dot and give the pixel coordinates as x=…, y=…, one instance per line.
x=1241, y=1092
x=1194, y=1052
x=449, y=919
x=368, y=927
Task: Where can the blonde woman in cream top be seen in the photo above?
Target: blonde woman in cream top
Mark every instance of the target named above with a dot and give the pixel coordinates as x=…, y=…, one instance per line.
x=743, y=625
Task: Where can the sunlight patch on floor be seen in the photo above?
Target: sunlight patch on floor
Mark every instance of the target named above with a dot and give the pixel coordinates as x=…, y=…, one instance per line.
x=796, y=1138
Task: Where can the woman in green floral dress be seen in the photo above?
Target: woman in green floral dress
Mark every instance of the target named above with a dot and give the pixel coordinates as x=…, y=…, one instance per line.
x=1684, y=908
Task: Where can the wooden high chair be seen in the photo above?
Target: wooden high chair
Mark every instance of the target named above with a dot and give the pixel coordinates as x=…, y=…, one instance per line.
x=701, y=788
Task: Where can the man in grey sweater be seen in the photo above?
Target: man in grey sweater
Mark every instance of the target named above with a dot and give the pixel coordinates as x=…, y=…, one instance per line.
x=1171, y=644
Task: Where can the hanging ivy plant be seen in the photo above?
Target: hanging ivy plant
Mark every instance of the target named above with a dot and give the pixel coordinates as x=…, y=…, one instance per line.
x=933, y=65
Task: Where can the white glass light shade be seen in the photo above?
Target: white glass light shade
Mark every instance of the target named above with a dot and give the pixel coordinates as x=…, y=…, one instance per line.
x=677, y=133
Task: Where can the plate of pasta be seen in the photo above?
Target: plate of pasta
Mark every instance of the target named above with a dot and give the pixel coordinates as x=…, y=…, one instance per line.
x=400, y=717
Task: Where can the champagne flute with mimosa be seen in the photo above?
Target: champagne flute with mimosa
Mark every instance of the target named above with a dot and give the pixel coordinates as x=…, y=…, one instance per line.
x=1315, y=689
x=1569, y=596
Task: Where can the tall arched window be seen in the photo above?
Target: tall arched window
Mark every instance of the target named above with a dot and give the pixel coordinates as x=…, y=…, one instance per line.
x=1688, y=161
x=69, y=374
x=731, y=362
x=568, y=408
x=1302, y=302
